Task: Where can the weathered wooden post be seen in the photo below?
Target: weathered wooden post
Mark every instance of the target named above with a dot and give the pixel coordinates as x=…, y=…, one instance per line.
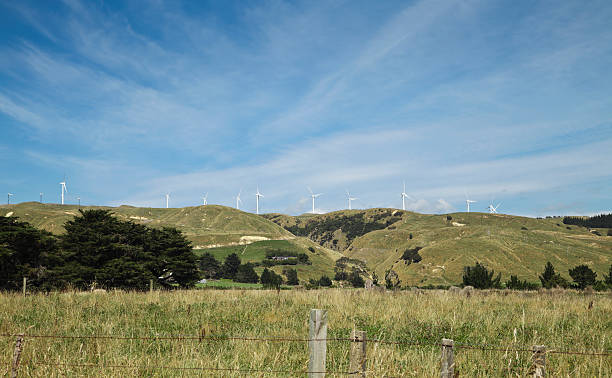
x=447, y=363
x=539, y=361
x=150, y=286
x=317, y=343
x=25, y=282
x=357, y=365
x=17, y=355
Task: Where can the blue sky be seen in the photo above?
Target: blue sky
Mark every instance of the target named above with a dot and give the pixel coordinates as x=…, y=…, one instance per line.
x=509, y=101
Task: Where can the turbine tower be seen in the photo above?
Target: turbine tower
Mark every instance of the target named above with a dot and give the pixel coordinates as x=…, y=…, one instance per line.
x=167, y=199
x=8, y=198
x=257, y=195
x=64, y=190
x=238, y=200
x=205, y=199
x=349, y=198
x=313, y=198
x=468, y=201
x=404, y=196
x=41, y=195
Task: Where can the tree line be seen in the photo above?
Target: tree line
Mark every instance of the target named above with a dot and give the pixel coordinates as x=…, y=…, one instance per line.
x=480, y=277
x=597, y=221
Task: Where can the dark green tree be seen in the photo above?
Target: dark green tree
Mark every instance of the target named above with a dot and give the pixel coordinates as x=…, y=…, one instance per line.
x=270, y=280
x=246, y=274
x=173, y=257
x=583, y=276
x=355, y=279
x=550, y=279
x=210, y=266
x=325, y=281
x=230, y=266
x=27, y=252
x=516, y=284
x=292, y=277
x=480, y=277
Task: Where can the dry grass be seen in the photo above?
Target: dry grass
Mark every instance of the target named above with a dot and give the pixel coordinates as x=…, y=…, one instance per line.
x=559, y=320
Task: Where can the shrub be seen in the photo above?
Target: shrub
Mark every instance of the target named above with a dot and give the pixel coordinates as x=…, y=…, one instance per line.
x=609, y=231
x=356, y=280
x=516, y=284
x=325, y=281
x=270, y=280
x=292, y=277
x=412, y=255
x=449, y=218
x=210, y=266
x=550, y=279
x=246, y=274
x=583, y=276
x=230, y=266
x=608, y=278
x=479, y=277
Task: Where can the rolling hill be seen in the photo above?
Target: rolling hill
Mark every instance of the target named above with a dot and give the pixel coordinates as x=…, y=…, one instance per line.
x=505, y=243
x=209, y=228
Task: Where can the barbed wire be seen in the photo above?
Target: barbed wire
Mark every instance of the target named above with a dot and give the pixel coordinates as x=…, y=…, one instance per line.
x=184, y=368
x=458, y=345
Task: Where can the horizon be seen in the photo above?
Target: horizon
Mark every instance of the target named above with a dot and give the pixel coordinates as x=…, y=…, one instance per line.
x=127, y=101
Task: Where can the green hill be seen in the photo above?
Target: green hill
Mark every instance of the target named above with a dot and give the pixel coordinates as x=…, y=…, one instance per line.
x=507, y=244
x=208, y=227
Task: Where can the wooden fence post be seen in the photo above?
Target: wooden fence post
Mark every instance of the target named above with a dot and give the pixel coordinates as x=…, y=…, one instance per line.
x=539, y=361
x=25, y=281
x=357, y=365
x=317, y=343
x=447, y=364
x=17, y=355
x=150, y=286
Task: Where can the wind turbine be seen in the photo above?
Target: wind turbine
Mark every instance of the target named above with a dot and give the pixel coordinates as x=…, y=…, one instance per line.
x=238, y=200
x=41, y=195
x=8, y=198
x=313, y=198
x=468, y=201
x=79, y=199
x=205, y=199
x=493, y=209
x=64, y=190
x=349, y=198
x=404, y=196
x=167, y=199
x=257, y=195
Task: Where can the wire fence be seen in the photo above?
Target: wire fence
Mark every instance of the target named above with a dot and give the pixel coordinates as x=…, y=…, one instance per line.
x=275, y=339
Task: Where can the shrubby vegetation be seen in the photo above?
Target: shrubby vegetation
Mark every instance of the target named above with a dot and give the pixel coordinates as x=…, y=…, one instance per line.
x=411, y=255
x=480, y=277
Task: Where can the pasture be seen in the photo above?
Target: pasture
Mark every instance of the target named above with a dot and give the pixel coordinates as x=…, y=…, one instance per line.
x=135, y=325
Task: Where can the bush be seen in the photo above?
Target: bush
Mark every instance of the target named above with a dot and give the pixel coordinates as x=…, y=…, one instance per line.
x=230, y=266
x=412, y=255
x=608, y=278
x=609, y=231
x=210, y=266
x=325, y=281
x=270, y=280
x=550, y=279
x=479, y=277
x=292, y=277
x=356, y=280
x=311, y=249
x=246, y=274
x=516, y=284
x=583, y=276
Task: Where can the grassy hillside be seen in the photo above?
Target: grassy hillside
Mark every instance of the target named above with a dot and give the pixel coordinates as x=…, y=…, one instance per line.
x=507, y=244
x=203, y=225
x=210, y=228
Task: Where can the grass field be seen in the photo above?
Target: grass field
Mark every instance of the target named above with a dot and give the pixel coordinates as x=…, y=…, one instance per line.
x=559, y=320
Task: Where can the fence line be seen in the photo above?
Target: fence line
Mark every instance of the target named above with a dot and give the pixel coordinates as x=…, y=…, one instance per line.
x=484, y=347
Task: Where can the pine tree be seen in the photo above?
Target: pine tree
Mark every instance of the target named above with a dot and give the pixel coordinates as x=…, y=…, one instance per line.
x=210, y=266
x=292, y=277
x=583, y=276
x=230, y=266
x=479, y=277
x=246, y=274
x=550, y=279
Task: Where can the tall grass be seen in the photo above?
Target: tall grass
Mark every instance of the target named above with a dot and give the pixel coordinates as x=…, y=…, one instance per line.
x=561, y=321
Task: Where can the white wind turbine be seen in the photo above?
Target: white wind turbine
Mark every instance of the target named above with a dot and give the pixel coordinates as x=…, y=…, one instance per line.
x=238, y=200
x=167, y=200
x=64, y=190
x=313, y=198
x=404, y=196
x=8, y=198
x=468, y=201
x=349, y=198
x=257, y=195
x=205, y=199
x=493, y=209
